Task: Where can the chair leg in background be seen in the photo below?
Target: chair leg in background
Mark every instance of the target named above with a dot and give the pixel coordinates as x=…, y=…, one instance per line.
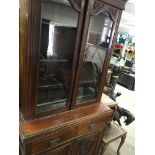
x=121, y=143
x=103, y=148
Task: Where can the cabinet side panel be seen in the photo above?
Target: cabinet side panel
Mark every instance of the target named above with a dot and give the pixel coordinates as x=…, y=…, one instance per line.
x=33, y=51
x=29, y=16
x=23, y=55
x=29, y=47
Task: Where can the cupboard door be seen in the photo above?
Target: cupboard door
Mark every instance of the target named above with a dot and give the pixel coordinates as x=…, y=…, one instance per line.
x=54, y=31
x=88, y=145
x=95, y=49
x=62, y=150
x=59, y=22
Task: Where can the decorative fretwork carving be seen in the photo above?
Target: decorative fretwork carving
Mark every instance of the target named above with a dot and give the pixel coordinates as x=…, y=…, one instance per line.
x=112, y=12
x=100, y=7
x=76, y=4
x=84, y=146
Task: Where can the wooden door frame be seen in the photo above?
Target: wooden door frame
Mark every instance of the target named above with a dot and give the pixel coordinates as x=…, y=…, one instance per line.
x=32, y=16
x=115, y=15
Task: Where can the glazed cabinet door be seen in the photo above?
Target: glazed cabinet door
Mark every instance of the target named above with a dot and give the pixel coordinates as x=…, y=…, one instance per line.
x=99, y=29
x=62, y=150
x=50, y=32
x=59, y=26
x=88, y=145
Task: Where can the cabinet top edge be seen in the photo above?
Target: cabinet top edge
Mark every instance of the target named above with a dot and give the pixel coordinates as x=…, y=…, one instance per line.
x=33, y=128
x=120, y=4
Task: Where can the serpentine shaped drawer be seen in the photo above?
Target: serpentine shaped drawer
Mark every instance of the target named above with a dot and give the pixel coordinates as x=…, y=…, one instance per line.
x=98, y=124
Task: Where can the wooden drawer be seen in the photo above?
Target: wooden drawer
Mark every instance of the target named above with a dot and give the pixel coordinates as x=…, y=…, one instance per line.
x=92, y=126
x=52, y=140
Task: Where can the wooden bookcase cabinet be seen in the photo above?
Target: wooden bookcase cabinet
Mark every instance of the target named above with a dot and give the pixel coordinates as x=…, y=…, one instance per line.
x=65, y=48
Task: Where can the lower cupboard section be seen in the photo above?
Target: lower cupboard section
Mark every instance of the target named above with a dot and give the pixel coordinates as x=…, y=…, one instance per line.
x=85, y=145
x=80, y=136
x=88, y=145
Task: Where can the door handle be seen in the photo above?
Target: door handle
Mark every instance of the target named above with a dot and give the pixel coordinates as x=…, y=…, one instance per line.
x=55, y=141
x=92, y=126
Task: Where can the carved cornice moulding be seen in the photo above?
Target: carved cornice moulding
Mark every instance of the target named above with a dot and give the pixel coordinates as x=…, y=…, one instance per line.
x=100, y=7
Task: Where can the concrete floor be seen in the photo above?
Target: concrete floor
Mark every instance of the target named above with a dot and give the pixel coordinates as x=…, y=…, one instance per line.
x=127, y=101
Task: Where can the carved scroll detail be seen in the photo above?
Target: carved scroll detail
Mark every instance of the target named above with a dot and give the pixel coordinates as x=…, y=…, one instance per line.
x=112, y=12
x=100, y=7
x=76, y=4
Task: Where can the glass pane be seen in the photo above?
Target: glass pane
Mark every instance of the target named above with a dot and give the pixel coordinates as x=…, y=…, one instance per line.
x=58, y=36
x=95, y=51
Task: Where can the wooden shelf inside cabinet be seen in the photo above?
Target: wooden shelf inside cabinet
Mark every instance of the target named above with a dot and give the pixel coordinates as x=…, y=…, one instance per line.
x=50, y=85
x=88, y=82
x=57, y=104
x=55, y=60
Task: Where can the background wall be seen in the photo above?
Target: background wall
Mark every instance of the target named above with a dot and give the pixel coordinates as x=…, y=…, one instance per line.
x=127, y=23
x=61, y=14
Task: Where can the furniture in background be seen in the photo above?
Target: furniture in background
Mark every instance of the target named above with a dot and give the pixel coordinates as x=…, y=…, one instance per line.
x=127, y=80
x=105, y=99
x=65, y=47
x=109, y=88
x=127, y=76
x=130, y=55
x=112, y=133
x=124, y=76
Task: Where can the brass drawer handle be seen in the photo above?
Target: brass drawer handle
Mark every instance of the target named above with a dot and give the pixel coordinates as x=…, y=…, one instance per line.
x=92, y=126
x=55, y=141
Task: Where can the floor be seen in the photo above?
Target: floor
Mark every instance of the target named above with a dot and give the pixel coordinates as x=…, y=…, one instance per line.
x=127, y=101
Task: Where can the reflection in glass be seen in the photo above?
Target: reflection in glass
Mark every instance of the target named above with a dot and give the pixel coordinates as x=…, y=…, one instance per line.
x=98, y=39
x=58, y=35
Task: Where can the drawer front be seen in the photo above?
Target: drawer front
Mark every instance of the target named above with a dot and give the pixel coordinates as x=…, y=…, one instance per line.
x=92, y=126
x=52, y=140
